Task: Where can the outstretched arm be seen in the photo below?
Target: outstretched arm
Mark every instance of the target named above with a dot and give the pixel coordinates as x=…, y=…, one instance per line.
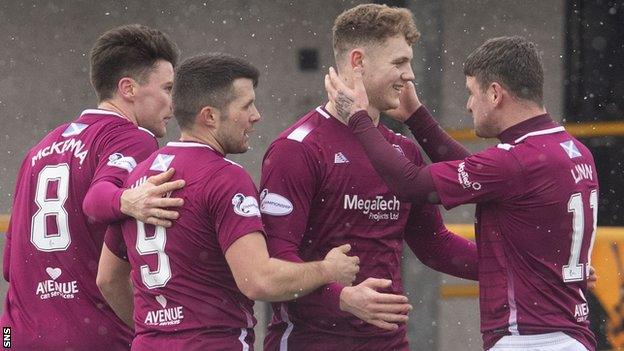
x=261, y=277
x=437, y=247
x=438, y=145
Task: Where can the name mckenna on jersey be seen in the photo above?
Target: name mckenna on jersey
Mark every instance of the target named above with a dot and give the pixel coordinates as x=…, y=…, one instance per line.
x=69, y=145
x=379, y=204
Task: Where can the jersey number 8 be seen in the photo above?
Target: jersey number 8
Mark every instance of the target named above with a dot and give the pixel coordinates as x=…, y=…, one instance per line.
x=51, y=207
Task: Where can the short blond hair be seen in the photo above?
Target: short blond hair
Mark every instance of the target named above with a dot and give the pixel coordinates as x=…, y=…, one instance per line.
x=372, y=24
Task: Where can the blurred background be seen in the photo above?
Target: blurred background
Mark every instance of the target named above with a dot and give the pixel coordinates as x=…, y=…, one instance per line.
x=44, y=81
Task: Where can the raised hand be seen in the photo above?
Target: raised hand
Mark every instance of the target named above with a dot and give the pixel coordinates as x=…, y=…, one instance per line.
x=382, y=310
x=148, y=202
x=346, y=100
x=409, y=103
x=342, y=268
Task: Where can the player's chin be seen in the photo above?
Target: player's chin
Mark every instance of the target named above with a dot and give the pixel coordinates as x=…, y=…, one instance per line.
x=391, y=103
x=160, y=132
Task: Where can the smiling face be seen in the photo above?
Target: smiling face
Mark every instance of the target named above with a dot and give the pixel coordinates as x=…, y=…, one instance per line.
x=152, y=99
x=238, y=118
x=387, y=68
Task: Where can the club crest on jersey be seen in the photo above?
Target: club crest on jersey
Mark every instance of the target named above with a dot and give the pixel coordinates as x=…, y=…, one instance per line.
x=246, y=206
x=166, y=315
x=51, y=288
x=570, y=149
x=274, y=204
x=161, y=162
x=74, y=129
x=120, y=161
x=340, y=158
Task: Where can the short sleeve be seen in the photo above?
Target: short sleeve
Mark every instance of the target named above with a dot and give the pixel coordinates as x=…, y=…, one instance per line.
x=490, y=175
x=115, y=242
x=232, y=201
x=289, y=183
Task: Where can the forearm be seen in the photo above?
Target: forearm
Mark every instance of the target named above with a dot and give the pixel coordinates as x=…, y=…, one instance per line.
x=407, y=180
x=288, y=280
x=438, y=145
x=102, y=202
x=448, y=253
x=118, y=294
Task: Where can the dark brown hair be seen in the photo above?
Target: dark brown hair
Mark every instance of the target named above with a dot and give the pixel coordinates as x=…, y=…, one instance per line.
x=372, y=23
x=206, y=80
x=127, y=51
x=513, y=62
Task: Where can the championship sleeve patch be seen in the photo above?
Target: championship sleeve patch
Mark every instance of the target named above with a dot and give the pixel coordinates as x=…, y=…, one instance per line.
x=246, y=206
x=120, y=161
x=274, y=204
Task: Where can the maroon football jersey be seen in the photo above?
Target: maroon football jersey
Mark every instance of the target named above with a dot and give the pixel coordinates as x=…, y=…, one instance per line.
x=52, y=251
x=185, y=295
x=319, y=191
x=537, y=203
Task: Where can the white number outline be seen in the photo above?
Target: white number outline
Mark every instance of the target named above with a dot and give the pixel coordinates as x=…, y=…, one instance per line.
x=573, y=271
x=51, y=207
x=153, y=245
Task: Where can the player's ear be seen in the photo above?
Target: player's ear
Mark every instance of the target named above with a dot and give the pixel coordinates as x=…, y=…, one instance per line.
x=209, y=116
x=356, y=57
x=126, y=88
x=495, y=93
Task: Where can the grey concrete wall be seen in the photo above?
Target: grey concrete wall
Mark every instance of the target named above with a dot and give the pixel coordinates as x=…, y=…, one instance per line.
x=44, y=49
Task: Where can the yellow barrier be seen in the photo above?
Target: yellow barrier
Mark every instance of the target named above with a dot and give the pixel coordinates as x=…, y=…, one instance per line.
x=581, y=130
x=4, y=223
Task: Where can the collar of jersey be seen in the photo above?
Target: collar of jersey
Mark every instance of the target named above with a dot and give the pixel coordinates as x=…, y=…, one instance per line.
x=538, y=125
x=97, y=111
x=188, y=144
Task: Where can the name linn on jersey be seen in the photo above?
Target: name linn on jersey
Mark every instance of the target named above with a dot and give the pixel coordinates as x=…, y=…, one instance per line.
x=164, y=316
x=61, y=147
x=377, y=209
x=50, y=288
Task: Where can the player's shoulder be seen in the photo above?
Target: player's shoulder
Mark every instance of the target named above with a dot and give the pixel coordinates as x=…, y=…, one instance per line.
x=502, y=156
x=306, y=129
x=402, y=144
x=111, y=124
